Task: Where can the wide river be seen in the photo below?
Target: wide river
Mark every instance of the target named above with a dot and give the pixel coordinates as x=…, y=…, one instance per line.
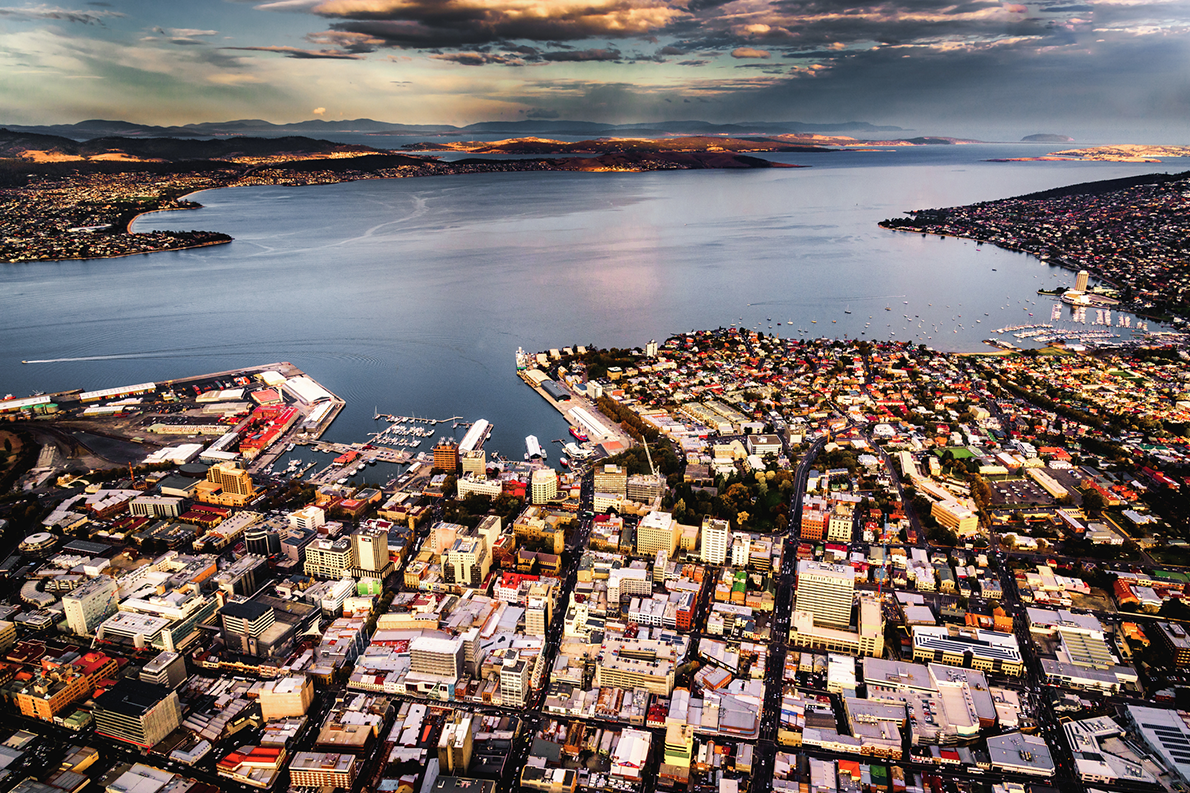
x=411, y=295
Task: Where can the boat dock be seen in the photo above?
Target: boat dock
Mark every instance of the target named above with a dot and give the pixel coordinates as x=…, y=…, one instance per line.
x=580, y=412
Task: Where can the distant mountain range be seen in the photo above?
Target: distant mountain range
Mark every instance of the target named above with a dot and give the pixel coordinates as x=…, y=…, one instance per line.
x=86, y=130
x=18, y=143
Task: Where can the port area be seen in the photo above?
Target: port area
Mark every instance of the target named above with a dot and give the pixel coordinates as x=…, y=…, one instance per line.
x=251, y=415
x=605, y=437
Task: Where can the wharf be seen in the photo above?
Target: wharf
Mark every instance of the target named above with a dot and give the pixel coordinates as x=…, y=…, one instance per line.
x=367, y=452
x=580, y=411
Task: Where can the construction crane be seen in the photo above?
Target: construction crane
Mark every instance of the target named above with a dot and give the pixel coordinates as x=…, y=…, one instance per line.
x=649, y=457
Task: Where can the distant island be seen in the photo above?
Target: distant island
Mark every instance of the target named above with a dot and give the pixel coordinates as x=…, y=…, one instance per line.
x=1047, y=137
x=1124, y=152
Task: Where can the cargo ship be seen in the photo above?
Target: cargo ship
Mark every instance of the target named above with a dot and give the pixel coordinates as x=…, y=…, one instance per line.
x=577, y=433
x=533, y=450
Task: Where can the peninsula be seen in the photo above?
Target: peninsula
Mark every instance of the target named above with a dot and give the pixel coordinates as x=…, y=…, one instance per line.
x=64, y=199
x=1129, y=233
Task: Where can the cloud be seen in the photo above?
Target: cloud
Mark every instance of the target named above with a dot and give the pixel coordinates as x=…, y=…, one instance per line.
x=476, y=58
x=318, y=111
x=749, y=52
x=186, y=33
x=346, y=41
x=583, y=55
x=297, y=52
x=428, y=24
x=43, y=12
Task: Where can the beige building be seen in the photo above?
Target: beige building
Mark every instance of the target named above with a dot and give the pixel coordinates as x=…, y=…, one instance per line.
x=285, y=697
x=657, y=531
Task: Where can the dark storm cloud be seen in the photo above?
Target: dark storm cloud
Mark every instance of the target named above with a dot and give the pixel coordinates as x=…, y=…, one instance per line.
x=427, y=24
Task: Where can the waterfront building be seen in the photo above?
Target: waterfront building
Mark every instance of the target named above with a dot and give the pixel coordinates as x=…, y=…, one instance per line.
x=446, y=455
x=226, y=485
x=475, y=463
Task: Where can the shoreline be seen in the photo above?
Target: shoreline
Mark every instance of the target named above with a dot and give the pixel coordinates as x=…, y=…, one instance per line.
x=1015, y=249
x=355, y=178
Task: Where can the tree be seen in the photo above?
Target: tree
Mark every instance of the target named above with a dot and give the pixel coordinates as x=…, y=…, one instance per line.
x=1093, y=501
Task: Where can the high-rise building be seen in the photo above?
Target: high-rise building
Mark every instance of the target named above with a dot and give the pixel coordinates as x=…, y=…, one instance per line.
x=1080, y=281
x=227, y=485
x=137, y=713
x=455, y=744
x=657, y=531
x=446, y=455
x=329, y=558
x=611, y=479
x=514, y=679
x=166, y=669
x=467, y=562
x=90, y=604
x=440, y=657
x=244, y=622
x=741, y=550
x=232, y=478
x=370, y=546
x=544, y=485
x=475, y=462
x=308, y=517
x=826, y=591
x=262, y=540
x=716, y=539
x=645, y=488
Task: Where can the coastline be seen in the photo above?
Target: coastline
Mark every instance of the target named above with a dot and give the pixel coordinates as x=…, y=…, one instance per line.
x=356, y=177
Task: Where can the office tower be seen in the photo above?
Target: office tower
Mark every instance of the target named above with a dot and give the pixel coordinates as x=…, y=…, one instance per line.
x=90, y=604
x=716, y=539
x=826, y=591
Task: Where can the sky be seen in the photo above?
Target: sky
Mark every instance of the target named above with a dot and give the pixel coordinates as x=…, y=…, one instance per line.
x=968, y=67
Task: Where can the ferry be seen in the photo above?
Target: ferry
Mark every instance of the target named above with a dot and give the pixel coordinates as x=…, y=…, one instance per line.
x=578, y=434
x=564, y=462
